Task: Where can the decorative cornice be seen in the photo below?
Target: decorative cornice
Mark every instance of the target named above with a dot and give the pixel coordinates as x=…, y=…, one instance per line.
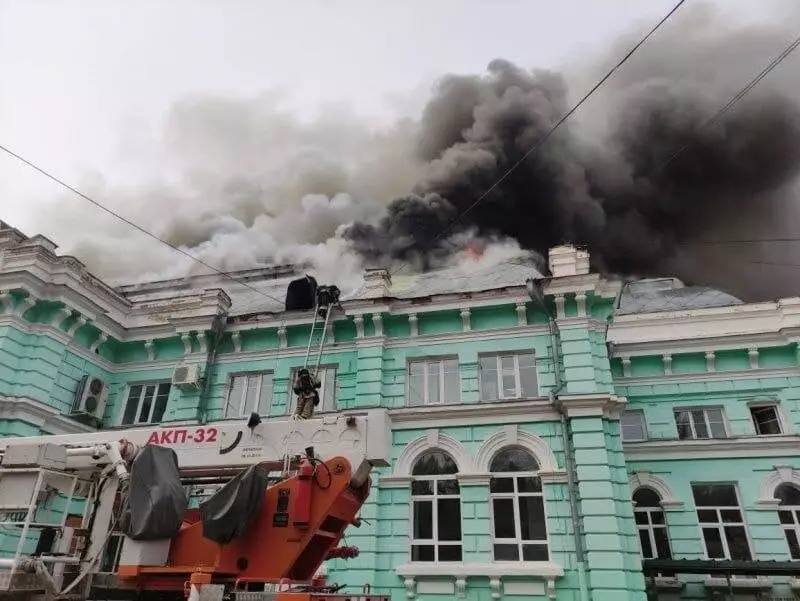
x=510, y=435
x=442, y=416
x=709, y=376
x=50, y=420
x=753, y=446
x=604, y=405
x=644, y=479
x=781, y=474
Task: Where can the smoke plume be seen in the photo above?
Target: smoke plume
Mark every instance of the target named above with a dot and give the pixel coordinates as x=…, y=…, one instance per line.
x=247, y=183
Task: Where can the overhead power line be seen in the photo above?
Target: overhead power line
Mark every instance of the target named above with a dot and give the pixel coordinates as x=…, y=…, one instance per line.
x=134, y=224
x=550, y=132
x=737, y=97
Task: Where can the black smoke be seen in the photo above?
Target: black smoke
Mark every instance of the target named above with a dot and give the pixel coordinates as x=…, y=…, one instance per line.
x=658, y=177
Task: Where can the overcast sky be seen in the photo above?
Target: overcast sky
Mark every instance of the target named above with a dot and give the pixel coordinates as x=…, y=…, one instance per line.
x=85, y=86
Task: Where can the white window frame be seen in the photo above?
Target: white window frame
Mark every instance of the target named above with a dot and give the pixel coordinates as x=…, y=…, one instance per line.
x=243, y=410
x=324, y=374
x=640, y=413
x=719, y=524
x=794, y=511
x=427, y=363
x=158, y=384
x=434, y=500
x=706, y=422
x=778, y=415
x=519, y=393
x=515, y=496
x=650, y=528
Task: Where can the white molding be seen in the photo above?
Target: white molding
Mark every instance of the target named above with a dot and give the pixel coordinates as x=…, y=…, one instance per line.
x=442, y=416
x=644, y=479
x=522, y=314
x=559, y=300
x=666, y=359
x=754, y=446
x=80, y=321
x=283, y=341
x=99, y=341
x=608, y=406
x=474, y=479
x=413, y=324
x=498, y=569
x=499, y=440
x=186, y=339
x=414, y=449
x=580, y=300
x=150, y=348
x=466, y=323
x=377, y=323
x=236, y=339
x=782, y=474
x=38, y=414
x=711, y=361
x=24, y=305
x=358, y=320
x=709, y=376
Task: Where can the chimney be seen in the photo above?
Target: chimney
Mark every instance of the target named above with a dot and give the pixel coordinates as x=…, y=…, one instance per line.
x=377, y=283
x=566, y=260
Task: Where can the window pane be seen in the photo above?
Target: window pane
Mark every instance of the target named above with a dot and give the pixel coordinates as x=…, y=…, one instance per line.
x=632, y=423
x=711, y=495
x=422, y=487
x=684, y=428
x=147, y=402
x=713, y=542
x=501, y=485
x=534, y=552
x=513, y=460
x=434, y=463
x=527, y=375
x=641, y=517
x=731, y=515
x=416, y=383
x=707, y=515
x=788, y=494
x=794, y=545
x=716, y=422
x=509, y=386
x=161, y=402
x=656, y=517
x=253, y=389
x=452, y=382
x=449, y=518
x=645, y=497
x=265, y=396
x=644, y=543
x=766, y=420
x=488, y=376
x=433, y=383
x=698, y=417
x=785, y=517
x=503, y=512
x=531, y=518
x=662, y=543
x=234, y=406
x=737, y=542
x=328, y=392
x=423, y=519
x=422, y=553
x=529, y=485
x=450, y=553
x=447, y=487
x=506, y=553
x=132, y=404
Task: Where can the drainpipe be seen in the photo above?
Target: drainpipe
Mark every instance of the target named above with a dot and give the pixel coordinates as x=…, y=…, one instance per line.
x=217, y=330
x=536, y=293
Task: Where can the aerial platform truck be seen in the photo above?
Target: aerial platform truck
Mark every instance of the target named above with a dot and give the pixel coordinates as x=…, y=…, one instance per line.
x=287, y=491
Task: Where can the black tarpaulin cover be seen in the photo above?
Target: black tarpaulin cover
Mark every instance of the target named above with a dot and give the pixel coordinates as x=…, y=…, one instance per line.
x=301, y=294
x=228, y=512
x=156, y=500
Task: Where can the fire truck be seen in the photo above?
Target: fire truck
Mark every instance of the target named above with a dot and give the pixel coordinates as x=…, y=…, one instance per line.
x=104, y=515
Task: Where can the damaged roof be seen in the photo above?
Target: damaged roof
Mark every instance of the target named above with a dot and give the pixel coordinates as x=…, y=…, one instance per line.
x=669, y=294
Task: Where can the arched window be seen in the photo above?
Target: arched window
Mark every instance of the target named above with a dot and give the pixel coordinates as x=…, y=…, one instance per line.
x=651, y=525
x=789, y=515
x=518, y=522
x=436, y=502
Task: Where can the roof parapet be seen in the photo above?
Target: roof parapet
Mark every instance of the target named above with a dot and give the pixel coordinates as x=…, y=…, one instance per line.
x=566, y=260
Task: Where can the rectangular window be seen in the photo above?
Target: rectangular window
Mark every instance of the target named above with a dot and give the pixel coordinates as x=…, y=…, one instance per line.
x=436, y=529
x=433, y=382
x=708, y=422
x=508, y=376
x=327, y=389
x=721, y=521
x=146, y=403
x=633, y=426
x=249, y=393
x=766, y=419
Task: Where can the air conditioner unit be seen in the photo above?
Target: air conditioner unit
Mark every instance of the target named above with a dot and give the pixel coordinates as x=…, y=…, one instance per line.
x=90, y=397
x=187, y=376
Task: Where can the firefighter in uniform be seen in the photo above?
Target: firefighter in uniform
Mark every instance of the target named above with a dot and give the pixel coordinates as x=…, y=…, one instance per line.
x=305, y=387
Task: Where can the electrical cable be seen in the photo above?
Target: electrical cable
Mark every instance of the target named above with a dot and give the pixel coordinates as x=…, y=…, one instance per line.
x=133, y=224
x=550, y=132
x=736, y=98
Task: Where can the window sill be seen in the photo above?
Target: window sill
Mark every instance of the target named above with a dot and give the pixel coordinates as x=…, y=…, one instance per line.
x=794, y=584
x=417, y=572
x=667, y=583
x=756, y=583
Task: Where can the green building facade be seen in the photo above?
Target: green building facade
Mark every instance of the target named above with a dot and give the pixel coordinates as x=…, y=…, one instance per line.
x=547, y=432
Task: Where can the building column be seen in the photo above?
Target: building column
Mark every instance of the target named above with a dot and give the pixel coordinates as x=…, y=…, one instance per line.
x=609, y=533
